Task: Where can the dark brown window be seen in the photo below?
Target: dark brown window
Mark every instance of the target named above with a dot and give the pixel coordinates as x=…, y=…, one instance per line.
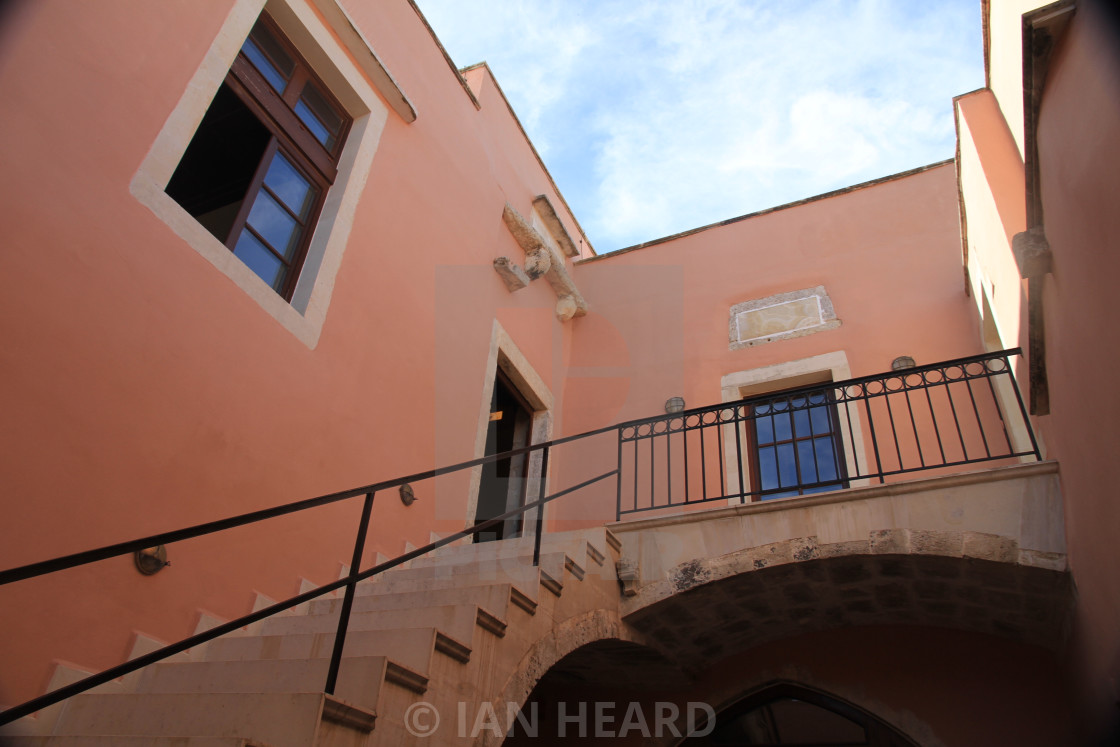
x=258, y=168
x=797, y=446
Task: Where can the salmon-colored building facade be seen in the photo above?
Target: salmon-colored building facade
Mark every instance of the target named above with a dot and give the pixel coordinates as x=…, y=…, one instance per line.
x=259, y=252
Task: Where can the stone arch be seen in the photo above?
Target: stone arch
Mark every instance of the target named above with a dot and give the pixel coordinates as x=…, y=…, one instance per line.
x=962, y=580
x=562, y=639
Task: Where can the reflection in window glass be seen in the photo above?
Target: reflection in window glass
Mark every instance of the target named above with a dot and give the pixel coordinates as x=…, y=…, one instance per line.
x=259, y=259
x=268, y=56
x=319, y=116
x=291, y=187
x=796, y=447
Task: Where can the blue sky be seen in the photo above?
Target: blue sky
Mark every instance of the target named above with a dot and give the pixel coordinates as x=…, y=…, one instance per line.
x=655, y=117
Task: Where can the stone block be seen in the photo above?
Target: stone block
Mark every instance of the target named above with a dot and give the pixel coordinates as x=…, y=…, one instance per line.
x=840, y=549
x=936, y=542
x=890, y=541
x=990, y=547
x=1053, y=561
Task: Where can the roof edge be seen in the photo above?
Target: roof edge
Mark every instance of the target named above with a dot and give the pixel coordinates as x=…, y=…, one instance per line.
x=767, y=211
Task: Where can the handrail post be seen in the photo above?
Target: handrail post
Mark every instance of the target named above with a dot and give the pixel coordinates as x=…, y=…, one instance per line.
x=739, y=455
x=1022, y=407
x=540, y=508
x=348, y=598
x=618, y=481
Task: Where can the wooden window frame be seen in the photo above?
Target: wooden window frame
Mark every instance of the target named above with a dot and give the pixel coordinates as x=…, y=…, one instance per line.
x=290, y=137
x=753, y=447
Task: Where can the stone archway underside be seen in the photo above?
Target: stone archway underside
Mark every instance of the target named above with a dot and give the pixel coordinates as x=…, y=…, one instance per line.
x=714, y=619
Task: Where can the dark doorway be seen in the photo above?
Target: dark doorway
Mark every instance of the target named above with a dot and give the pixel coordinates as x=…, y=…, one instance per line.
x=788, y=714
x=503, y=482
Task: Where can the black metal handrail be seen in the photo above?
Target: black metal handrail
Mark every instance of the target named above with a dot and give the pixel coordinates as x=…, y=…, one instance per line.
x=631, y=431
x=860, y=429
x=349, y=583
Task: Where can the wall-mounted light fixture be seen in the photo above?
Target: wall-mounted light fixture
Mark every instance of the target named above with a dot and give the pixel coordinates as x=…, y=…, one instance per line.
x=151, y=560
x=674, y=405
x=901, y=362
x=408, y=497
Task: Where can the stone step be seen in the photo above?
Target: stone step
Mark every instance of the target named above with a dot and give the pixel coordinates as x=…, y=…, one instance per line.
x=275, y=719
x=490, y=567
x=456, y=620
x=359, y=678
x=587, y=547
x=551, y=574
x=498, y=599
x=412, y=648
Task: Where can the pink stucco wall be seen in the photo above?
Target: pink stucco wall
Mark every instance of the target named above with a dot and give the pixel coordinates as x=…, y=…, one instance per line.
x=1078, y=136
x=886, y=254
x=146, y=392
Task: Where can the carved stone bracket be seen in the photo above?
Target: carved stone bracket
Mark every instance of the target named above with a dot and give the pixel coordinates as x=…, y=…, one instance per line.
x=540, y=260
x=1032, y=252
x=552, y=221
x=627, y=571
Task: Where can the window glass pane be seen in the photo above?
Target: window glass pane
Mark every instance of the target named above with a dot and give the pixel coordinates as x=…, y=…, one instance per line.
x=260, y=260
x=764, y=429
x=826, y=459
x=820, y=419
x=768, y=468
x=274, y=224
x=779, y=494
x=319, y=116
x=782, y=431
x=787, y=465
x=269, y=57
x=293, y=189
x=807, y=462
x=801, y=420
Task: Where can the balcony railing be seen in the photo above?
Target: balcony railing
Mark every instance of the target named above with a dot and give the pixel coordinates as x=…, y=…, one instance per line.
x=829, y=436
x=824, y=437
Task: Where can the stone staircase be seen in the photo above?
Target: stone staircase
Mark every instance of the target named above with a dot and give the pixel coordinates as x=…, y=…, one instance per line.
x=462, y=627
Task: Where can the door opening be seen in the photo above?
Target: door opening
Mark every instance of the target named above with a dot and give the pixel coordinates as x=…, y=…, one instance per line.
x=503, y=484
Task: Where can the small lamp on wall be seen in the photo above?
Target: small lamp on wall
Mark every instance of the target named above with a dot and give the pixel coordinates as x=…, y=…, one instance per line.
x=151, y=560
x=674, y=405
x=902, y=362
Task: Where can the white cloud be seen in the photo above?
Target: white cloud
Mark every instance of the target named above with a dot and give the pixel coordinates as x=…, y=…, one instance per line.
x=656, y=117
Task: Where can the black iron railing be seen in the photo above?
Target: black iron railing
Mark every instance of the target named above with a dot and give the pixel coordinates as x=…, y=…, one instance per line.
x=735, y=435
x=827, y=436
x=348, y=584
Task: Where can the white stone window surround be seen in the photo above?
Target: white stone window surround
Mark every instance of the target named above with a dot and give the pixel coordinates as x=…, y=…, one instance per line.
x=823, y=317
x=318, y=44
x=505, y=354
x=804, y=372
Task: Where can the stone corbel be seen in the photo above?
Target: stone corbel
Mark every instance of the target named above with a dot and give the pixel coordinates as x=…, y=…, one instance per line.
x=628, y=579
x=514, y=277
x=552, y=220
x=1032, y=253
x=540, y=260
